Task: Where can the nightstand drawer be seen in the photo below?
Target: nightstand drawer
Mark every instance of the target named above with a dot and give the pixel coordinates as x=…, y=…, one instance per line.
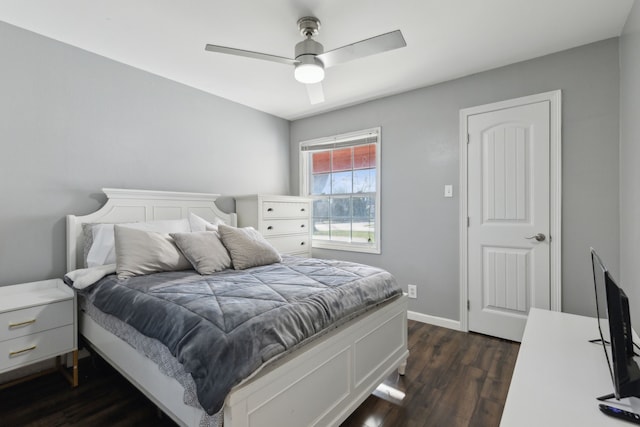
x=32, y=348
x=285, y=226
x=26, y=321
x=285, y=210
x=290, y=244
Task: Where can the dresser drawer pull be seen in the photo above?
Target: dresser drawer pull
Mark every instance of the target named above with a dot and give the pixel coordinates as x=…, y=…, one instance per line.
x=302, y=209
x=24, y=350
x=270, y=227
x=17, y=325
x=269, y=209
x=301, y=243
x=302, y=226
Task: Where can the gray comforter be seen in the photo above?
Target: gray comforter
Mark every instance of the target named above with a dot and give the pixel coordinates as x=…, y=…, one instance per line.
x=224, y=326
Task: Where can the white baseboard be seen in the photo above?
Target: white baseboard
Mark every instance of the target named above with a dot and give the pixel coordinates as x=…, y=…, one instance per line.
x=434, y=320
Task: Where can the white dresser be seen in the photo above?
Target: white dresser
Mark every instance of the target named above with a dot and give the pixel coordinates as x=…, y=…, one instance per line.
x=285, y=221
x=37, y=322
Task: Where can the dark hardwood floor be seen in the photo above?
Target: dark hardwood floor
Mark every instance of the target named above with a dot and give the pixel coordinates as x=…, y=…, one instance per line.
x=452, y=379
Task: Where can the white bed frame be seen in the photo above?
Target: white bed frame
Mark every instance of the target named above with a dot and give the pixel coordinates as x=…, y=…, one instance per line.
x=318, y=385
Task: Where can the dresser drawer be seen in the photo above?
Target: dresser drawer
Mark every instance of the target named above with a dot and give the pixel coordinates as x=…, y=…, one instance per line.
x=32, y=348
x=285, y=210
x=285, y=226
x=290, y=244
x=26, y=321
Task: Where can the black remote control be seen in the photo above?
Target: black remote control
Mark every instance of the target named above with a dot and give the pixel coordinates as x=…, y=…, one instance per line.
x=632, y=417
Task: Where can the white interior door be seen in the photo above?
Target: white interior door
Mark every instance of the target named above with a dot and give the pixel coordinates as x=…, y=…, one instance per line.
x=509, y=217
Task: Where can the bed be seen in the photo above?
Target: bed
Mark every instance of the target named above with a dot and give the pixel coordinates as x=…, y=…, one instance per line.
x=318, y=383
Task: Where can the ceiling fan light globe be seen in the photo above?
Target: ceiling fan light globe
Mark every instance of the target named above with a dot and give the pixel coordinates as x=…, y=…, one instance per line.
x=309, y=73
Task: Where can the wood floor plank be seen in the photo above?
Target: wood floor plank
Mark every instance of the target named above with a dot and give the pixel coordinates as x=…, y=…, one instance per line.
x=485, y=414
x=452, y=379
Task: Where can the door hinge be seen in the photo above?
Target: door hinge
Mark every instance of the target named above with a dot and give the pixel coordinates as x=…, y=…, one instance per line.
x=468, y=305
x=468, y=221
x=468, y=138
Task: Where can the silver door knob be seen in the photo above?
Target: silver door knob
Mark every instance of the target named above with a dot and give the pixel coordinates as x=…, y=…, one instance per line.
x=539, y=237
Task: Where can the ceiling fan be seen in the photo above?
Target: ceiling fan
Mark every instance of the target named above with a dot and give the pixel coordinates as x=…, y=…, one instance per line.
x=310, y=58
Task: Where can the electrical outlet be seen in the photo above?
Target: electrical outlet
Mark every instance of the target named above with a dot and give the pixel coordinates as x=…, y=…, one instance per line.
x=413, y=291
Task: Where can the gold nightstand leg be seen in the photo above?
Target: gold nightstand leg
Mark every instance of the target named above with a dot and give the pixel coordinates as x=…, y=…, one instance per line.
x=75, y=368
x=73, y=376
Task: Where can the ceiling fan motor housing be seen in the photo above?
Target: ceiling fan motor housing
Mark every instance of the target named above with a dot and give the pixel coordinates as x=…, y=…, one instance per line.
x=308, y=48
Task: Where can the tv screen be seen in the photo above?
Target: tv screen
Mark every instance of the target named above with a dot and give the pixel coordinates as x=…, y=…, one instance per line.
x=599, y=271
x=612, y=309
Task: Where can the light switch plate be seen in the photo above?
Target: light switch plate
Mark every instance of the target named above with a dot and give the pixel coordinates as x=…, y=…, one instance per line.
x=448, y=190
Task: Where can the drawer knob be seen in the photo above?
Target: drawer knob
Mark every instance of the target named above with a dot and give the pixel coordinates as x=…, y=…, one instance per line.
x=301, y=243
x=270, y=227
x=302, y=226
x=24, y=350
x=269, y=209
x=302, y=210
x=26, y=322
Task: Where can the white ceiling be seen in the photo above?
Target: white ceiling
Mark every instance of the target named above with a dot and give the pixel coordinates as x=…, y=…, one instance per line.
x=445, y=39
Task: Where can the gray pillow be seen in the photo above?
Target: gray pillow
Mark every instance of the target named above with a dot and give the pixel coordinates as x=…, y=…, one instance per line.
x=247, y=247
x=140, y=252
x=204, y=250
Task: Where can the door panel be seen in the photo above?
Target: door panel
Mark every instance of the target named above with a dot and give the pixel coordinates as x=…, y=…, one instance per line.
x=506, y=186
x=508, y=204
x=505, y=282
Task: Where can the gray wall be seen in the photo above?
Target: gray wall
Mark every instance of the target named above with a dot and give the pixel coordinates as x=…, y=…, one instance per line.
x=630, y=161
x=420, y=155
x=72, y=122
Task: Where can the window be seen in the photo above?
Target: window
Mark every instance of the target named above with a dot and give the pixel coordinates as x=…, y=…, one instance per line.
x=342, y=176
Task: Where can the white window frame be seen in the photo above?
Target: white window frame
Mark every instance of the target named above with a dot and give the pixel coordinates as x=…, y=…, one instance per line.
x=335, y=142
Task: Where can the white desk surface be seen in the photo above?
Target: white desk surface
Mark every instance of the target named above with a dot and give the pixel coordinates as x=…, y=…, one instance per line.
x=559, y=374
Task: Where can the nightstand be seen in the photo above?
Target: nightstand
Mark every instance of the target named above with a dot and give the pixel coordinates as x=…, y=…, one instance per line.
x=38, y=322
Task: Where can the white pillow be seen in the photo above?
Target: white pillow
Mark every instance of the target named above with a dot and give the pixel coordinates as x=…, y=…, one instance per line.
x=140, y=252
x=204, y=250
x=102, y=249
x=247, y=247
x=201, y=224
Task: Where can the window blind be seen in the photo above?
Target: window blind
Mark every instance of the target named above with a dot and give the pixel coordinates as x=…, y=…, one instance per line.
x=332, y=145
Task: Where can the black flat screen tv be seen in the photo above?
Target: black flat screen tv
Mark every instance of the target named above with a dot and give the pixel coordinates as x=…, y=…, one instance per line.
x=612, y=309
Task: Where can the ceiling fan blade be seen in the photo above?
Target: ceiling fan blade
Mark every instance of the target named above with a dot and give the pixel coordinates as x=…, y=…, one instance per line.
x=372, y=46
x=316, y=93
x=250, y=54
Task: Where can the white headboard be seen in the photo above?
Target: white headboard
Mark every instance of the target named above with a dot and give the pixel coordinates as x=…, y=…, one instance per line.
x=141, y=205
